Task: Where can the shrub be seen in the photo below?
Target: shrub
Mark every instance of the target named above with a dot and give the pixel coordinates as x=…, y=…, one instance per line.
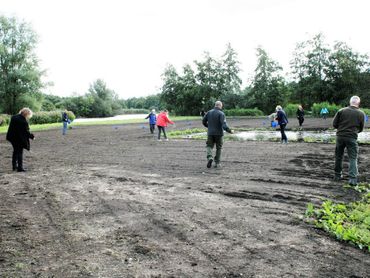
x=316, y=108
x=291, y=109
x=45, y=117
x=366, y=111
x=4, y=119
x=243, y=112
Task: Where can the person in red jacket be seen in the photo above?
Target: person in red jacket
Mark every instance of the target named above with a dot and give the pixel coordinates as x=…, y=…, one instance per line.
x=162, y=121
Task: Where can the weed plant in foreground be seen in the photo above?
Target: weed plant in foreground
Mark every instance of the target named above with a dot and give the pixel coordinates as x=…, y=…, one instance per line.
x=349, y=222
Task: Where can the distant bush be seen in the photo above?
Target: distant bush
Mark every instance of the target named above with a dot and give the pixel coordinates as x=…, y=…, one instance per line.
x=366, y=111
x=243, y=112
x=4, y=119
x=332, y=108
x=48, y=117
x=291, y=109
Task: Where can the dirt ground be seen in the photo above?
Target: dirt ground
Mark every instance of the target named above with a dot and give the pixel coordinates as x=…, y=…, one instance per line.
x=111, y=201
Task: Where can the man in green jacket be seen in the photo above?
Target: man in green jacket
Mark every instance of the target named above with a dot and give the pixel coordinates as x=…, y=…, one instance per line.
x=348, y=121
x=215, y=121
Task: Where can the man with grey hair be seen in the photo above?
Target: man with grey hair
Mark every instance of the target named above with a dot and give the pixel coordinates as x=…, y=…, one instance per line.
x=348, y=121
x=215, y=121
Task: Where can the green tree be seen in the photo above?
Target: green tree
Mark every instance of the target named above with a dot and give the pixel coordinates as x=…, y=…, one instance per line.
x=170, y=88
x=229, y=72
x=310, y=63
x=345, y=73
x=19, y=70
x=268, y=86
x=105, y=100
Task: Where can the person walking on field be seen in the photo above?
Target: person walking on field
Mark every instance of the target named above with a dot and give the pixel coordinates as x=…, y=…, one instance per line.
x=18, y=135
x=300, y=115
x=162, y=121
x=152, y=120
x=348, y=121
x=65, y=121
x=215, y=121
x=324, y=112
x=282, y=122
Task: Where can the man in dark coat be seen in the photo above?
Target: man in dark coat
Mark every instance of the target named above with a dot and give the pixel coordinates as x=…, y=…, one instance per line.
x=348, y=121
x=19, y=136
x=215, y=121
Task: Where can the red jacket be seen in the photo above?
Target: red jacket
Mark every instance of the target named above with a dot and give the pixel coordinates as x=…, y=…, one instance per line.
x=162, y=119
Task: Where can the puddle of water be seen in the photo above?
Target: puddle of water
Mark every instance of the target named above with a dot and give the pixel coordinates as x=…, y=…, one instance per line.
x=311, y=136
x=272, y=135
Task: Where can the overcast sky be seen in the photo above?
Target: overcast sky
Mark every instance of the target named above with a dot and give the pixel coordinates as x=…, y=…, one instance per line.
x=129, y=43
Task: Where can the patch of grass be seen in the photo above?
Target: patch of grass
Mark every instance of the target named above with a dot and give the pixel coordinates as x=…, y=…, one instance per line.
x=41, y=127
x=349, y=222
x=184, y=132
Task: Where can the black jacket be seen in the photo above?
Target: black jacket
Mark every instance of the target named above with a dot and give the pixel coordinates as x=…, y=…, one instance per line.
x=216, y=122
x=19, y=132
x=65, y=117
x=300, y=114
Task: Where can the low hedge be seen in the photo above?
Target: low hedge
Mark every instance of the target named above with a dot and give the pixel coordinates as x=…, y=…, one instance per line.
x=366, y=111
x=4, y=119
x=332, y=108
x=49, y=117
x=243, y=112
x=291, y=109
x=134, y=111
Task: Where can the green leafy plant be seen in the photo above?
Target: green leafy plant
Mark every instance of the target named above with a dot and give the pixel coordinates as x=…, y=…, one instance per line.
x=349, y=222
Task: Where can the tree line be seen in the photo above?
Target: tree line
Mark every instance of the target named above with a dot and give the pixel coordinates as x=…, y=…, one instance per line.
x=318, y=72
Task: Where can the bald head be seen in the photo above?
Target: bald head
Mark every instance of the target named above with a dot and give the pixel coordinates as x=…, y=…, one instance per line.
x=355, y=101
x=218, y=104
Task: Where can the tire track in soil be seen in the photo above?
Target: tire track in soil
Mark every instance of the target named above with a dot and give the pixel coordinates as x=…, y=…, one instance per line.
x=138, y=242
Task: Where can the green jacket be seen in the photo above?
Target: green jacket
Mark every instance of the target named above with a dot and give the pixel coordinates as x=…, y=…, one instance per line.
x=349, y=121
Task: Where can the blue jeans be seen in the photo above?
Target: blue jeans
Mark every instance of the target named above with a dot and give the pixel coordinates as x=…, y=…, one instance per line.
x=352, y=150
x=65, y=127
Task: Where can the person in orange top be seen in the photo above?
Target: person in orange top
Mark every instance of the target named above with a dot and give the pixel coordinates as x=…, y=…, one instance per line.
x=162, y=121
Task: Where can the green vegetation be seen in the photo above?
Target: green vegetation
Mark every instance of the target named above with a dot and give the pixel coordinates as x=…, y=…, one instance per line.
x=244, y=112
x=349, y=222
x=20, y=81
x=49, y=117
x=182, y=133
x=332, y=108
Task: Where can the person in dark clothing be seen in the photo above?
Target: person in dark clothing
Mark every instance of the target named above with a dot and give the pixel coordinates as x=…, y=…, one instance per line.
x=348, y=121
x=152, y=120
x=282, y=121
x=300, y=115
x=65, y=121
x=202, y=113
x=215, y=121
x=18, y=135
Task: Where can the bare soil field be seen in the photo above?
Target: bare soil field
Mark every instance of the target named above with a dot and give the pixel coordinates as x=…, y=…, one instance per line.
x=111, y=201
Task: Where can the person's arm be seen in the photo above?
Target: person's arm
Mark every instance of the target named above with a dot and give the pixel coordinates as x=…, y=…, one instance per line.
x=147, y=116
x=336, y=119
x=224, y=124
x=205, y=120
x=362, y=123
x=169, y=121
